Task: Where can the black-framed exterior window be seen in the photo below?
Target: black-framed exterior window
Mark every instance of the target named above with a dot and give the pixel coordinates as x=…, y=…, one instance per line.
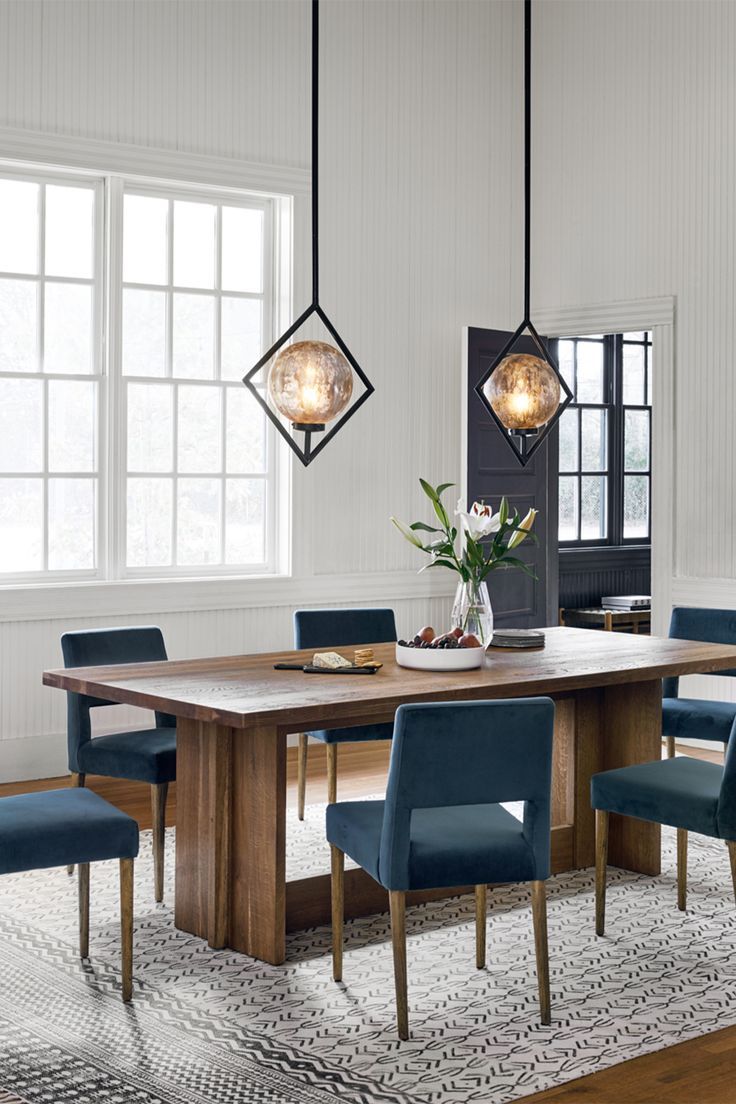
x=605, y=440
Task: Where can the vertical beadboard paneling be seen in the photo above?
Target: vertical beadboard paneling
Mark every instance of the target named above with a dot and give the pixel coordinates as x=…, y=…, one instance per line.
x=420, y=114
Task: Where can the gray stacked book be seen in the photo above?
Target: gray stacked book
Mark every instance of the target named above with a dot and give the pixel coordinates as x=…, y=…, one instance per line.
x=517, y=638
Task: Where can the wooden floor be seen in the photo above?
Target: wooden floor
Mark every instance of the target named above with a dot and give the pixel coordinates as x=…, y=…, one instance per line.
x=702, y=1071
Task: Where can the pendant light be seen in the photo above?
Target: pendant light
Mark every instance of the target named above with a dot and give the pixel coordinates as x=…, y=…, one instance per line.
x=310, y=383
x=524, y=392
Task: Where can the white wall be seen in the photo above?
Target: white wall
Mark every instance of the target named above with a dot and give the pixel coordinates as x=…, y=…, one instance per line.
x=635, y=125
x=635, y=174
x=421, y=204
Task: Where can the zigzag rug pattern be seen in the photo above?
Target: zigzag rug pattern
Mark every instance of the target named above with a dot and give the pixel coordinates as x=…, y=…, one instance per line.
x=214, y=1026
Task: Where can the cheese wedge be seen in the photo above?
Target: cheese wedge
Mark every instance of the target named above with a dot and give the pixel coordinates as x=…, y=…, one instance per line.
x=330, y=660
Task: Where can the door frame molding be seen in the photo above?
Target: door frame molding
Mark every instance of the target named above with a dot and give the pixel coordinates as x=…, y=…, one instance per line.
x=622, y=316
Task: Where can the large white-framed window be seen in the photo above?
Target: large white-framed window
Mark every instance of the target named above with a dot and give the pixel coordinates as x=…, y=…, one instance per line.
x=129, y=311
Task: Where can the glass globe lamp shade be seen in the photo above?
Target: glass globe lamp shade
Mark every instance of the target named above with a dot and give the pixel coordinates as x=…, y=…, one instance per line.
x=311, y=383
x=524, y=392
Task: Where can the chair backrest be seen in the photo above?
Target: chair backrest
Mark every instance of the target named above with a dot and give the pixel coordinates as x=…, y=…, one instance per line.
x=468, y=753
x=324, y=628
x=103, y=648
x=716, y=626
x=727, y=797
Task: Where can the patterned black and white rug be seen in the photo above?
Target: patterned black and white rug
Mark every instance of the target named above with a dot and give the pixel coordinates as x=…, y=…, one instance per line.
x=213, y=1027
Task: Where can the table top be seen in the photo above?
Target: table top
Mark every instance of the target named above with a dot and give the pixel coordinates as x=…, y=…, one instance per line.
x=598, y=613
x=242, y=691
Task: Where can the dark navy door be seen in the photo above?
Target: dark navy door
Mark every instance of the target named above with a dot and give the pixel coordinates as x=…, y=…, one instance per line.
x=492, y=471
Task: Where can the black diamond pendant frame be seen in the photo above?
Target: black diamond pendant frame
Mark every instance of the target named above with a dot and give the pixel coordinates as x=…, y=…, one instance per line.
x=307, y=453
x=525, y=444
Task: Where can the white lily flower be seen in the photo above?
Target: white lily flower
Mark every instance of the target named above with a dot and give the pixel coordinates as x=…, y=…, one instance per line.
x=407, y=532
x=524, y=527
x=479, y=521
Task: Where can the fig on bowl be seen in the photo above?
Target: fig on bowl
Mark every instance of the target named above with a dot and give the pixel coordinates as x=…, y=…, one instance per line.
x=469, y=640
x=427, y=634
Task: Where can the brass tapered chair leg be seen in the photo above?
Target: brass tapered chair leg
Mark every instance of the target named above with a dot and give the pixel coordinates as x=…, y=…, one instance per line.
x=731, y=844
x=331, y=773
x=83, y=890
x=301, y=774
x=480, y=925
x=681, y=869
x=539, y=913
x=601, y=858
x=159, y=793
x=338, y=910
x=75, y=780
x=397, y=902
x=126, y=927
x=670, y=747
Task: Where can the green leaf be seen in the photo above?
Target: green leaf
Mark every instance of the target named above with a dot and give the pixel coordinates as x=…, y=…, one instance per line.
x=428, y=489
x=424, y=527
x=443, y=487
x=503, y=510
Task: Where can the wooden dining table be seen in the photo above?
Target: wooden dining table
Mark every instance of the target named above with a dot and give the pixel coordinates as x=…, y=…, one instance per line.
x=234, y=714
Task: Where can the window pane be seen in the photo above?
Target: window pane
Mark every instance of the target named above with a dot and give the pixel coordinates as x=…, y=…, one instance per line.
x=149, y=522
x=242, y=249
x=245, y=530
x=590, y=372
x=144, y=332
x=194, y=336
x=18, y=226
x=245, y=435
x=21, y=426
x=199, y=432
x=71, y=524
x=593, y=508
x=18, y=321
x=198, y=521
x=594, y=440
x=145, y=239
x=21, y=524
x=568, y=508
x=72, y=426
x=636, y=440
x=68, y=328
x=638, y=335
x=650, y=392
x=242, y=344
x=194, y=244
x=566, y=362
x=568, y=440
x=636, y=506
x=150, y=427
x=69, y=231
x=634, y=370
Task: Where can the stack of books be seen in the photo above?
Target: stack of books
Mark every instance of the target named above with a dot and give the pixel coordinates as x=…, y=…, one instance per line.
x=517, y=638
x=627, y=602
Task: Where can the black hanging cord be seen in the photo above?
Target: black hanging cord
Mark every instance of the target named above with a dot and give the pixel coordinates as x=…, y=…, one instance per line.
x=527, y=152
x=315, y=155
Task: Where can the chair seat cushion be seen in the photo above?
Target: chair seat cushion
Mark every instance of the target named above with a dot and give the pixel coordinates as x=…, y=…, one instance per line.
x=354, y=735
x=695, y=719
x=681, y=792
x=144, y=756
x=61, y=828
x=451, y=846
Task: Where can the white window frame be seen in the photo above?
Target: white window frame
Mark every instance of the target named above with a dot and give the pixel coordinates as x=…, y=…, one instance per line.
x=97, y=374
x=107, y=282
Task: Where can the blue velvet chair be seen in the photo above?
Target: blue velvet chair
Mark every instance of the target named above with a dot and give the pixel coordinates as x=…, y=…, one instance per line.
x=330, y=629
x=691, y=718
x=147, y=755
x=441, y=823
x=62, y=827
x=687, y=794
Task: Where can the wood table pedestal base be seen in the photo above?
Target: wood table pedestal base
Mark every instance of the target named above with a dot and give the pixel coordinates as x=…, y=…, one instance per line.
x=231, y=884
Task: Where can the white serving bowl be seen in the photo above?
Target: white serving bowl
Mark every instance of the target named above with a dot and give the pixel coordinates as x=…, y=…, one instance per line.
x=439, y=659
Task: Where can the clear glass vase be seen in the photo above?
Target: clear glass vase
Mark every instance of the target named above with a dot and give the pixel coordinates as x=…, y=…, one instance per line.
x=472, y=611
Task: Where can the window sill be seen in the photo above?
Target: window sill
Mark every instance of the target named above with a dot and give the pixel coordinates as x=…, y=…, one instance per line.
x=145, y=598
